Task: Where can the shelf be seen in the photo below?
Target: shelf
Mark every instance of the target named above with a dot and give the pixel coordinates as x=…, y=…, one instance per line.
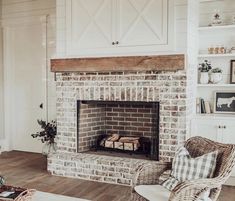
x=215, y=116
x=216, y=85
x=211, y=28
x=215, y=55
x=206, y=1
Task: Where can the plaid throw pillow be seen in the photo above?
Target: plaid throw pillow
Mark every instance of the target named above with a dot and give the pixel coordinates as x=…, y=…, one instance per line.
x=186, y=168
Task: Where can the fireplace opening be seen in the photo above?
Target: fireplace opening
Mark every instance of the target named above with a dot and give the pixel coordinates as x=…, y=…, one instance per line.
x=120, y=128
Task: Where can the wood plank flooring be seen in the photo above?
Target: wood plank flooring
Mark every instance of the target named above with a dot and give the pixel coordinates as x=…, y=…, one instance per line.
x=29, y=170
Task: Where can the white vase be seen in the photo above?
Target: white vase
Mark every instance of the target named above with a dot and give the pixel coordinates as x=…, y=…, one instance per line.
x=204, y=78
x=216, y=78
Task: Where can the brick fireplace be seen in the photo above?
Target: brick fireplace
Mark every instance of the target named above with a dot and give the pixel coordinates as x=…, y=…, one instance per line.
x=168, y=88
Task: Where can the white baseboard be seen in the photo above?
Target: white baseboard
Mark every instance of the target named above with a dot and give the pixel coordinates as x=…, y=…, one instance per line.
x=4, y=145
x=230, y=181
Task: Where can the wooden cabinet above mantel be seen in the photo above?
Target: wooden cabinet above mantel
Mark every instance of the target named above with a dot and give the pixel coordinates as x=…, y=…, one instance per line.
x=118, y=27
x=116, y=64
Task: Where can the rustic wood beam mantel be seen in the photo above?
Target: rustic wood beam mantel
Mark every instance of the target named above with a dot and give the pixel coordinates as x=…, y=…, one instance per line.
x=111, y=64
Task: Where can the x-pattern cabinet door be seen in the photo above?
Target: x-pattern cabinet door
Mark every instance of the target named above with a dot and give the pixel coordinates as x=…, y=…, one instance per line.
x=89, y=25
x=106, y=27
x=142, y=22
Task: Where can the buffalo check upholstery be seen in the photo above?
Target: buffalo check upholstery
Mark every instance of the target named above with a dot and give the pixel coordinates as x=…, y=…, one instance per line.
x=186, y=168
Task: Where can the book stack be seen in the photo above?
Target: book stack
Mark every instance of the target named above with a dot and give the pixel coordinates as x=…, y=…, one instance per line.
x=203, y=107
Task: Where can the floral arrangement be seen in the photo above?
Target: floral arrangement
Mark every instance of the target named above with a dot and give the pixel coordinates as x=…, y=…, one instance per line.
x=48, y=132
x=205, y=66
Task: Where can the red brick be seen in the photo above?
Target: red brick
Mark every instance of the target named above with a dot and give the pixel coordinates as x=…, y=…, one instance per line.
x=131, y=119
x=131, y=110
x=118, y=110
x=137, y=115
x=137, y=124
x=144, y=119
x=143, y=129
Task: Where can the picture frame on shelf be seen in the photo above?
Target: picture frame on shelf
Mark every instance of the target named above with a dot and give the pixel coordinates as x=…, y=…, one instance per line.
x=232, y=72
x=224, y=102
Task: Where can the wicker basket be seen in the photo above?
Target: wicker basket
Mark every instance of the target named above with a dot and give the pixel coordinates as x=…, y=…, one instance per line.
x=25, y=195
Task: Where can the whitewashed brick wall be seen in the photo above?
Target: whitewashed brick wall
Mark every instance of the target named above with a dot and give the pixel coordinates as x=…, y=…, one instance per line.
x=167, y=88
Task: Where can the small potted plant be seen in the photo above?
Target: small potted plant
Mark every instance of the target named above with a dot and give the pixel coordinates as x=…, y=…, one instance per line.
x=216, y=75
x=204, y=68
x=47, y=135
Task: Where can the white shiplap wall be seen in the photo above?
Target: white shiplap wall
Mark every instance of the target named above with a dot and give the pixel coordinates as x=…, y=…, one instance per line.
x=27, y=8
x=13, y=10
x=180, y=27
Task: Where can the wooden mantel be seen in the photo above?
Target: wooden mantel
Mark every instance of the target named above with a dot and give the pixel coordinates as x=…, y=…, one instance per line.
x=111, y=64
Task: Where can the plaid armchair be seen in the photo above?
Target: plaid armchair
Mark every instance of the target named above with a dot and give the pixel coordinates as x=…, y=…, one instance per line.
x=189, y=190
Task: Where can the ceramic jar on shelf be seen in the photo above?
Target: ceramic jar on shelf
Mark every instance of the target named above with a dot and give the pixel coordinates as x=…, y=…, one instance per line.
x=204, y=78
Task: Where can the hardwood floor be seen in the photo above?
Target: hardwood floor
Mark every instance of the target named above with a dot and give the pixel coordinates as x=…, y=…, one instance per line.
x=29, y=170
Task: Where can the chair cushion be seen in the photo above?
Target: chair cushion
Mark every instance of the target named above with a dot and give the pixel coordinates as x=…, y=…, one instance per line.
x=153, y=192
x=186, y=168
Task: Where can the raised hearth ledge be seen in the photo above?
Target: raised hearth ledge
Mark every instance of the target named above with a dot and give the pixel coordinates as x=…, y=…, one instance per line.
x=107, y=169
x=111, y=64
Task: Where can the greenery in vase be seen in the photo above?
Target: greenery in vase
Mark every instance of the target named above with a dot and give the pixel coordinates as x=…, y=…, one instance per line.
x=48, y=132
x=216, y=70
x=205, y=66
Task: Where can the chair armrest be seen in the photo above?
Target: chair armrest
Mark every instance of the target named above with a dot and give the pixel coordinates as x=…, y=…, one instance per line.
x=191, y=190
x=149, y=173
x=26, y=195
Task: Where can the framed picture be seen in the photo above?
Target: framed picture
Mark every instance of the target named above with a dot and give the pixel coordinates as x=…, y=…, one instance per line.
x=224, y=102
x=232, y=72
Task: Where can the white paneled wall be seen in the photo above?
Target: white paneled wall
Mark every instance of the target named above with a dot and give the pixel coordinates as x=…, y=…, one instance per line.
x=26, y=9
x=180, y=27
x=1, y=88
x=51, y=51
x=1, y=83
x=181, y=14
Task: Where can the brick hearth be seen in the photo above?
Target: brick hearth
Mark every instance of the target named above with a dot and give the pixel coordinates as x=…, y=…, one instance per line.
x=95, y=167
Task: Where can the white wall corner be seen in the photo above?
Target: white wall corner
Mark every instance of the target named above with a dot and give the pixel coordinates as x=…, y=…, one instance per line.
x=4, y=146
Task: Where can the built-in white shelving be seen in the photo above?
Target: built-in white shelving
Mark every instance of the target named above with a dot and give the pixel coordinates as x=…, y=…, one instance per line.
x=212, y=28
x=214, y=125
x=215, y=36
